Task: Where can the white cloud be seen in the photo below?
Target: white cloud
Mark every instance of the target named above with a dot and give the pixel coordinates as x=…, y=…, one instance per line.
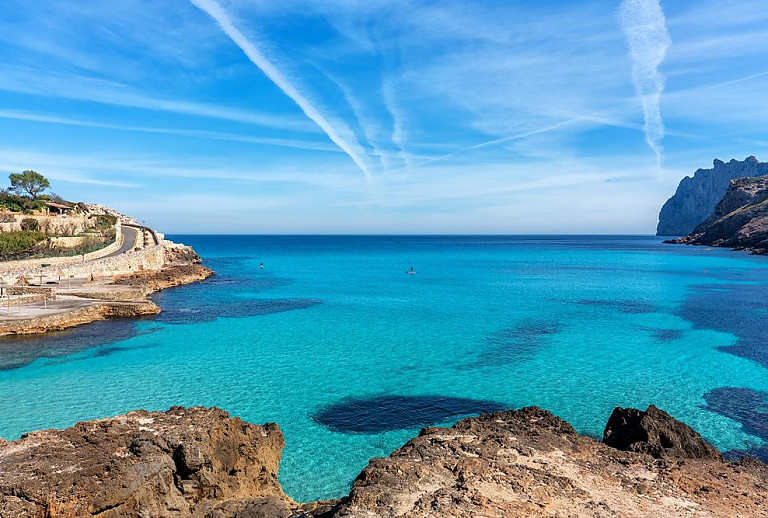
x=646, y=31
x=37, y=82
x=352, y=148
x=212, y=135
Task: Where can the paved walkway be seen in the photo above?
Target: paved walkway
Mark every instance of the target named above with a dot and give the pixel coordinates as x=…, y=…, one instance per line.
x=129, y=241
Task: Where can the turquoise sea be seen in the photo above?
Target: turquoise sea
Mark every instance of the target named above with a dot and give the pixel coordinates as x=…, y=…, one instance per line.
x=351, y=355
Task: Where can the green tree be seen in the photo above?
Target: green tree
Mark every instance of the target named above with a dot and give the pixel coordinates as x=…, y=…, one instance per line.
x=30, y=182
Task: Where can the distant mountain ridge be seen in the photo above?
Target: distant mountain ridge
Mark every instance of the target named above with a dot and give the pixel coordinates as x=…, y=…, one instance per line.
x=696, y=197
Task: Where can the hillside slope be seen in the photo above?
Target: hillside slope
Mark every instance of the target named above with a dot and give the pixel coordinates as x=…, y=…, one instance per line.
x=696, y=197
x=740, y=219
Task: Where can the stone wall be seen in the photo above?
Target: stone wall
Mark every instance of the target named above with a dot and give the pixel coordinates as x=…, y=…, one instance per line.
x=150, y=258
x=66, y=225
x=25, y=265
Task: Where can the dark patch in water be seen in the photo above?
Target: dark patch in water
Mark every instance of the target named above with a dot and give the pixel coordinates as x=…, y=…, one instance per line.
x=388, y=413
x=631, y=307
x=738, y=309
x=229, y=293
x=758, y=452
x=748, y=407
x=664, y=335
x=207, y=311
x=514, y=344
x=100, y=352
x=19, y=351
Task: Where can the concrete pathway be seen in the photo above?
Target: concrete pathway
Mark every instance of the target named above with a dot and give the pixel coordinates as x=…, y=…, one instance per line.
x=129, y=241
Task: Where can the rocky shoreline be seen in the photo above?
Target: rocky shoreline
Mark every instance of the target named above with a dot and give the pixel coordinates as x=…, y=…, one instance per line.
x=739, y=221
x=203, y=463
x=122, y=297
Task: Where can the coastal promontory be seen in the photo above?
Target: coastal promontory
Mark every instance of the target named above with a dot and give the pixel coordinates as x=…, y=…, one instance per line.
x=201, y=462
x=696, y=197
x=740, y=219
x=66, y=263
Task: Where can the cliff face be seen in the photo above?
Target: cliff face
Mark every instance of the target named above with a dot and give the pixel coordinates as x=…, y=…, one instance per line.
x=202, y=463
x=696, y=198
x=740, y=220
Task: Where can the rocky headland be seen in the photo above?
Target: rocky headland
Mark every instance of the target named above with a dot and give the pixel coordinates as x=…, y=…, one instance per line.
x=203, y=463
x=740, y=219
x=696, y=197
x=122, y=293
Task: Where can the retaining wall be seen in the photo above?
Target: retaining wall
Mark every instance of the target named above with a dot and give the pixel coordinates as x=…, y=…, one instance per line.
x=24, y=265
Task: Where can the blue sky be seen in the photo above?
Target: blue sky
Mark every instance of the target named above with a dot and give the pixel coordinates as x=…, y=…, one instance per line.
x=397, y=116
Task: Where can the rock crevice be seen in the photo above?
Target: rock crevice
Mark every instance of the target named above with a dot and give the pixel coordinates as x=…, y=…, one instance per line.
x=201, y=462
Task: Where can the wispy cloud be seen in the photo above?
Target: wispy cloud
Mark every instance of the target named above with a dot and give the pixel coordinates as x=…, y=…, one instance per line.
x=645, y=28
x=37, y=82
x=215, y=11
x=389, y=91
x=212, y=135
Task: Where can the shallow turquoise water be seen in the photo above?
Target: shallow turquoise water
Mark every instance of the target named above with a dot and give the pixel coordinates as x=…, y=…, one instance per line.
x=577, y=325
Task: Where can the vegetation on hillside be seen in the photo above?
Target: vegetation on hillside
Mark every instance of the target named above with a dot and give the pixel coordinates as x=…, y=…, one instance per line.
x=26, y=193
x=17, y=203
x=15, y=244
x=29, y=182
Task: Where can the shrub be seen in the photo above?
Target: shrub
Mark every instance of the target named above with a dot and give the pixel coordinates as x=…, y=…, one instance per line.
x=14, y=243
x=105, y=221
x=30, y=224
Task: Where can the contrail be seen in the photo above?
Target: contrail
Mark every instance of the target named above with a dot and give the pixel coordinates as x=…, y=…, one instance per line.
x=648, y=40
x=215, y=11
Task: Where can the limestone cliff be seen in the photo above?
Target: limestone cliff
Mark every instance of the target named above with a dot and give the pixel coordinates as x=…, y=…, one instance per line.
x=740, y=219
x=202, y=463
x=696, y=196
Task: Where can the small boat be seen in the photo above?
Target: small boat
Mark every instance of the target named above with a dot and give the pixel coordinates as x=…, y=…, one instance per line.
x=411, y=271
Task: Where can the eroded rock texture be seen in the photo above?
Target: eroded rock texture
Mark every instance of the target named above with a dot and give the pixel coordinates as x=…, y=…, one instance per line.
x=740, y=220
x=179, y=463
x=202, y=463
x=656, y=433
x=530, y=463
x=697, y=196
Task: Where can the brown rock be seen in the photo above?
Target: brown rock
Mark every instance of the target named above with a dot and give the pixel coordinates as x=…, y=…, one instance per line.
x=740, y=219
x=141, y=464
x=656, y=433
x=202, y=463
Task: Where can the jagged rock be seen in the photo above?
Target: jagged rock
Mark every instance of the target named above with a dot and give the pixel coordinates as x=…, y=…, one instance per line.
x=533, y=464
x=696, y=197
x=141, y=464
x=150, y=281
x=740, y=219
x=202, y=463
x=656, y=433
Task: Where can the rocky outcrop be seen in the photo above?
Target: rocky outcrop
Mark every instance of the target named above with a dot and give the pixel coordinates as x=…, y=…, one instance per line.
x=202, y=463
x=168, y=277
x=183, y=462
x=697, y=196
x=78, y=315
x=740, y=219
x=656, y=433
x=123, y=297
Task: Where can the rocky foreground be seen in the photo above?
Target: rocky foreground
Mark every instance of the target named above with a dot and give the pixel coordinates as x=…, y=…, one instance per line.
x=201, y=462
x=740, y=219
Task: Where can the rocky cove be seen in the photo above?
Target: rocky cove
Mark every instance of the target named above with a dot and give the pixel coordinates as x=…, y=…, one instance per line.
x=118, y=296
x=202, y=462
